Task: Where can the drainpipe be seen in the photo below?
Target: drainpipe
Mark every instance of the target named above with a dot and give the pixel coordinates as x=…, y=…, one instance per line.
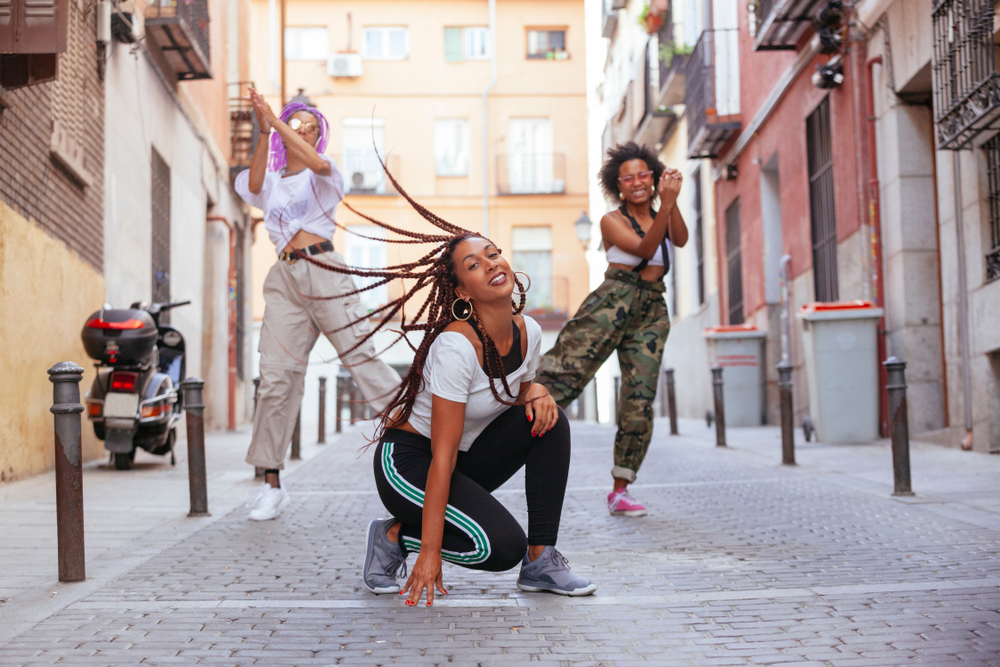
x=963, y=302
x=232, y=316
x=875, y=222
x=486, y=117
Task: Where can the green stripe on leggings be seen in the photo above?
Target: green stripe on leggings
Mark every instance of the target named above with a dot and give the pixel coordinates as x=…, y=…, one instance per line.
x=457, y=518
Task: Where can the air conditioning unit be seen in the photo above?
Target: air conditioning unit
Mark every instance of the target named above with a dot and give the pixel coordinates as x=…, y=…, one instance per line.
x=344, y=65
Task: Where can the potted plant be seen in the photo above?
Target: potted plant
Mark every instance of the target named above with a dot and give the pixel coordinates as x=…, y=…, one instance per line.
x=650, y=19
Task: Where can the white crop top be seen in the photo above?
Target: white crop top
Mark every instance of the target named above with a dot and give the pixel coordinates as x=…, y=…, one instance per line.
x=618, y=256
x=452, y=371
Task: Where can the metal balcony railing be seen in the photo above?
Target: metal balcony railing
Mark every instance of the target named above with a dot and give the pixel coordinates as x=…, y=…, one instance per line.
x=780, y=24
x=712, y=92
x=531, y=174
x=548, y=298
x=180, y=28
x=966, y=92
x=363, y=173
x=243, y=129
x=671, y=60
x=609, y=21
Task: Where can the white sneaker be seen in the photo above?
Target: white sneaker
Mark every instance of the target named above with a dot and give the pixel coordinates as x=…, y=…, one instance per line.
x=255, y=496
x=271, y=502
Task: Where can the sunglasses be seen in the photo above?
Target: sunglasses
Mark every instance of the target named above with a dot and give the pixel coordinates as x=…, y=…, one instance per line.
x=296, y=123
x=642, y=176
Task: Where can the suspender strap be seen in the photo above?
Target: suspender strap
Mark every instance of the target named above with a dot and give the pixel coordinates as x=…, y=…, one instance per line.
x=638, y=230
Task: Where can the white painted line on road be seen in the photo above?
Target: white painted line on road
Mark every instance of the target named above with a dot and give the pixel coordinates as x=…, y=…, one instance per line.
x=572, y=489
x=535, y=600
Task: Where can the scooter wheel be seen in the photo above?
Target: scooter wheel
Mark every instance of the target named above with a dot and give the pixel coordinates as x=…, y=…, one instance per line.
x=124, y=461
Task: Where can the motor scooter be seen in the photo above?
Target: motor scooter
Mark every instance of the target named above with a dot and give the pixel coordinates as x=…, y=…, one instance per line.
x=134, y=401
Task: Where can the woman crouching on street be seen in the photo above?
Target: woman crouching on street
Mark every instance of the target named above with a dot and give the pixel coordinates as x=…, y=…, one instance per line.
x=467, y=418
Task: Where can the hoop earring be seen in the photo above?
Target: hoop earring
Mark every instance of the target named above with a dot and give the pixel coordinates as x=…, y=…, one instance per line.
x=526, y=277
x=468, y=315
x=621, y=195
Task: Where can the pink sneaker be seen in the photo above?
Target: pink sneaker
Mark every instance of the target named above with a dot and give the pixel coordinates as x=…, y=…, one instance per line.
x=621, y=503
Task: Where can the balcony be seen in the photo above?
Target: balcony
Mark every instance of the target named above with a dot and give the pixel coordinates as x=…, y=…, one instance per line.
x=656, y=119
x=966, y=91
x=780, y=24
x=243, y=129
x=712, y=93
x=180, y=28
x=548, y=301
x=363, y=173
x=531, y=174
x=671, y=61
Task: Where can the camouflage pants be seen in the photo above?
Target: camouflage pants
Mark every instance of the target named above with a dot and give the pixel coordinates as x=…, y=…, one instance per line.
x=629, y=315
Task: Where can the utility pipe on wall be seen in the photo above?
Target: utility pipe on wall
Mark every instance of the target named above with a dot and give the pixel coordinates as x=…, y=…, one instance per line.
x=232, y=315
x=963, y=302
x=875, y=222
x=486, y=117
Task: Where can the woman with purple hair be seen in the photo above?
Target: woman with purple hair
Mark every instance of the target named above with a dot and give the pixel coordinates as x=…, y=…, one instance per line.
x=298, y=188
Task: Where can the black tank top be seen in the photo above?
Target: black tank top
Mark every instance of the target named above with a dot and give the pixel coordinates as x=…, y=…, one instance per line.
x=512, y=360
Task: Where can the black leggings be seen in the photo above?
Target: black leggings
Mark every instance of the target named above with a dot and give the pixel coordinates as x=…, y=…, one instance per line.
x=479, y=532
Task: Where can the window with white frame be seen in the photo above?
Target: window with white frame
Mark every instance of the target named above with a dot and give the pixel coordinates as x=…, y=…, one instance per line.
x=386, y=43
x=530, y=159
x=471, y=43
x=303, y=43
x=365, y=248
x=360, y=138
x=451, y=147
x=532, y=250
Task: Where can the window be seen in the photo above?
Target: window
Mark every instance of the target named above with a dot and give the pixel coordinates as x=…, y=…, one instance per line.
x=821, y=202
x=547, y=44
x=532, y=248
x=365, y=246
x=992, y=238
x=307, y=43
x=734, y=263
x=466, y=44
x=359, y=164
x=451, y=147
x=530, y=158
x=386, y=43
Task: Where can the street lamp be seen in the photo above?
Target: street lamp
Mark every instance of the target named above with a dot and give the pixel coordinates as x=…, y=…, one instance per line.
x=582, y=226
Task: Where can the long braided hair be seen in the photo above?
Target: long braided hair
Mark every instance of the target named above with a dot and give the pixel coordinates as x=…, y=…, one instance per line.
x=434, y=271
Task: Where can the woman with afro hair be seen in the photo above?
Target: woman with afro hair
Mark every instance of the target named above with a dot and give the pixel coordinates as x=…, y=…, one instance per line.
x=627, y=313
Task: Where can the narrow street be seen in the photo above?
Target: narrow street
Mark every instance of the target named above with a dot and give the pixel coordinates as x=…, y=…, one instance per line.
x=741, y=561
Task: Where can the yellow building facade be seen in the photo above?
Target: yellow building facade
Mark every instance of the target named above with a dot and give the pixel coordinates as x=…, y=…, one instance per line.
x=414, y=81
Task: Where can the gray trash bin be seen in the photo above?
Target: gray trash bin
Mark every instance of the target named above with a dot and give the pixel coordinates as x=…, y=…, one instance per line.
x=739, y=350
x=841, y=359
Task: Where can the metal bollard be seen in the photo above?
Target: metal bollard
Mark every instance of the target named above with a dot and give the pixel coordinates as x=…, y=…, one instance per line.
x=297, y=437
x=65, y=378
x=720, y=407
x=256, y=392
x=671, y=401
x=197, y=476
x=787, y=414
x=355, y=400
x=340, y=401
x=321, y=440
x=898, y=427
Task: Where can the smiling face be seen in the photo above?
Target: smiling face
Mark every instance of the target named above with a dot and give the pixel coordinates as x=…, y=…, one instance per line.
x=307, y=126
x=483, y=274
x=635, y=181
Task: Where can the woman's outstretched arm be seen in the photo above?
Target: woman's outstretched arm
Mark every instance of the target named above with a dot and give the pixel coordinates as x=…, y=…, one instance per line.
x=295, y=145
x=447, y=424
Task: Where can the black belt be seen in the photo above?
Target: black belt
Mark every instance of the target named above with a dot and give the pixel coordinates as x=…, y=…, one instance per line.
x=317, y=249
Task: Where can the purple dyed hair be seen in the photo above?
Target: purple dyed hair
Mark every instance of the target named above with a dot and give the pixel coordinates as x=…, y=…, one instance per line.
x=279, y=155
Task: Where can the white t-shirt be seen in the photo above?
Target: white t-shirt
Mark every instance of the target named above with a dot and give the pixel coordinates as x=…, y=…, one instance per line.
x=290, y=204
x=453, y=372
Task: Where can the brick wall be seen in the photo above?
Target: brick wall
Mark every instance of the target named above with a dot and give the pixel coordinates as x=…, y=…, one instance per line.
x=35, y=180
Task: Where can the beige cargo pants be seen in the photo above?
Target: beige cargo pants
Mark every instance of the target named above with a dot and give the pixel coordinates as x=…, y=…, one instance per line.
x=292, y=323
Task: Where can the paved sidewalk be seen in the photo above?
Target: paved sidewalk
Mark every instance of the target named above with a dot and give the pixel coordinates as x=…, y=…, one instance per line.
x=741, y=561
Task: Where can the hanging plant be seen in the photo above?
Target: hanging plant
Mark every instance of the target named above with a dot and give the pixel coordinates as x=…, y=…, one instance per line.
x=650, y=20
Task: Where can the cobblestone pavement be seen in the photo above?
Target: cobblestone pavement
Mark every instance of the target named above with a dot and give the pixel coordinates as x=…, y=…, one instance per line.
x=740, y=562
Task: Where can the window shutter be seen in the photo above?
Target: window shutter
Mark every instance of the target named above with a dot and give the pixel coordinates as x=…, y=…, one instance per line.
x=453, y=45
x=33, y=26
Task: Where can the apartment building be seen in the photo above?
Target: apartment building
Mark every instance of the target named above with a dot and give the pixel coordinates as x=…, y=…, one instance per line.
x=487, y=132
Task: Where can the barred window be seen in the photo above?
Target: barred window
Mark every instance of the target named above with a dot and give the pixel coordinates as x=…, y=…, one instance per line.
x=734, y=263
x=821, y=202
x=992, y=150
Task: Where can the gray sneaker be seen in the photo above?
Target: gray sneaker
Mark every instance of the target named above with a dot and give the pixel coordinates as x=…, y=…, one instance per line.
x=382, y=559
x=550, y=572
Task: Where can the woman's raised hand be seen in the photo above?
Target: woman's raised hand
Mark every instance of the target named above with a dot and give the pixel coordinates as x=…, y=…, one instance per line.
x=670, y=187
x=425, y=574
x=265, y=114
x=540, y=409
